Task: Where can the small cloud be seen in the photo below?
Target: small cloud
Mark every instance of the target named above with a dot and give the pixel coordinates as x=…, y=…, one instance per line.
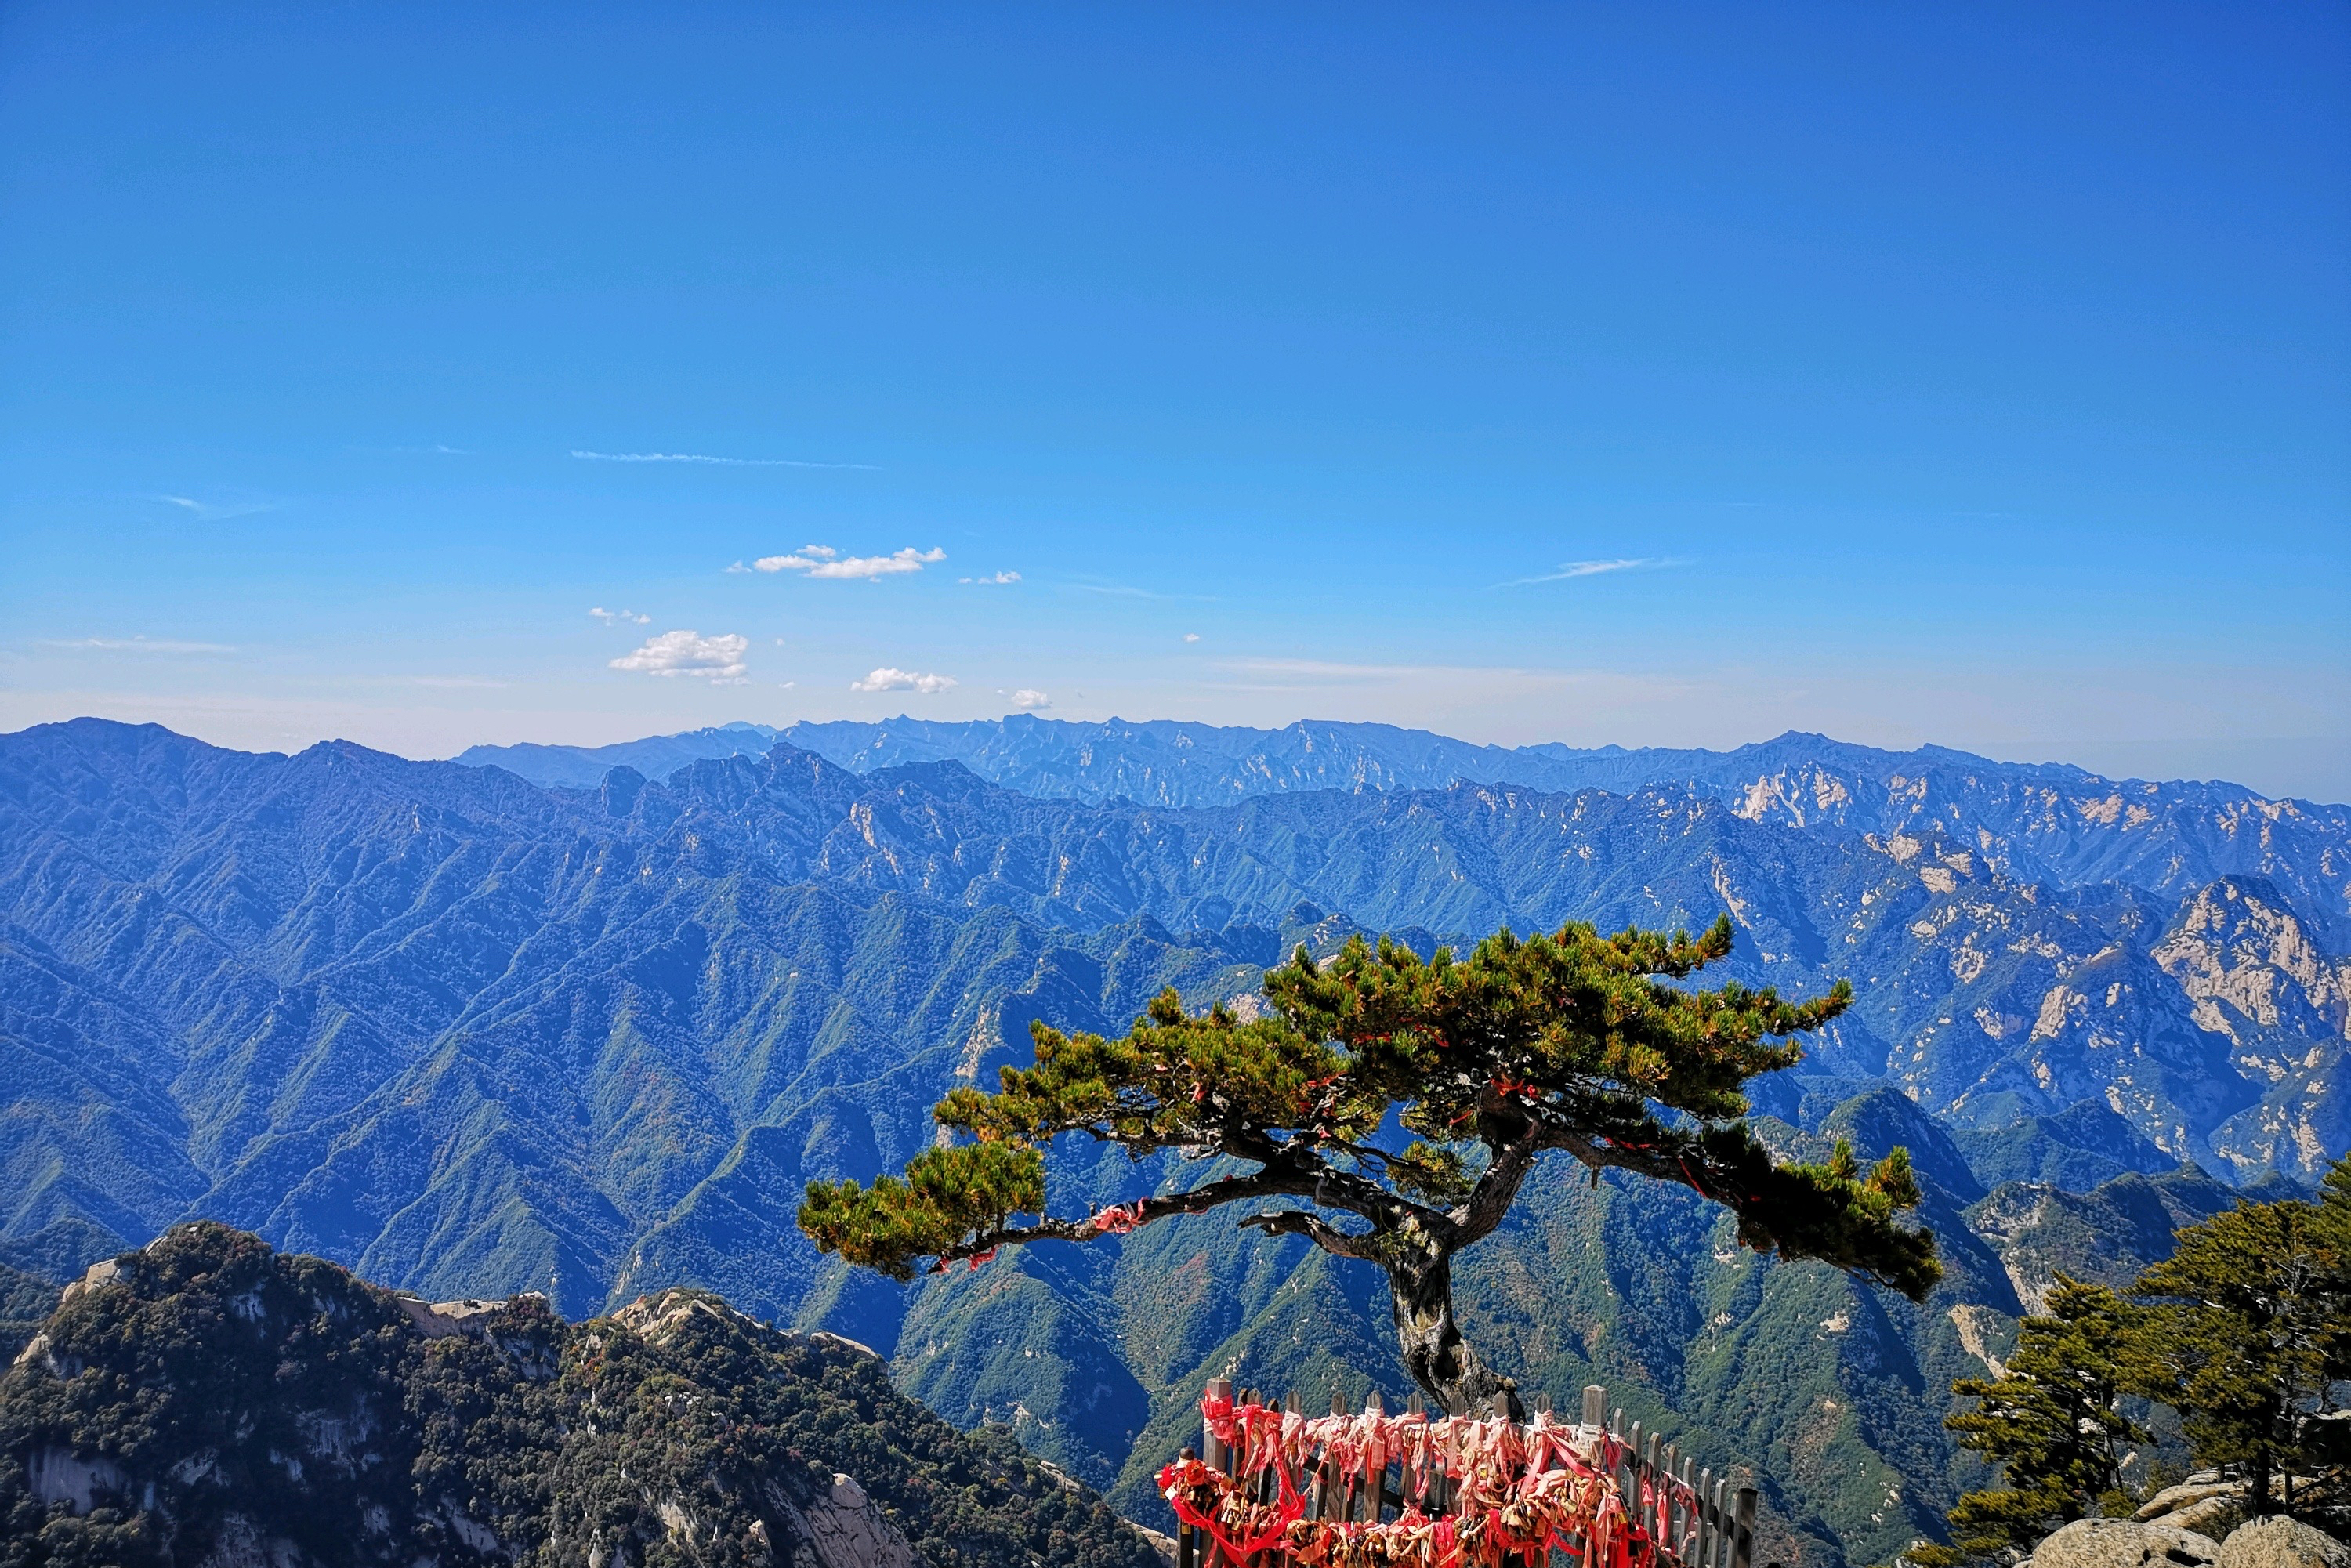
x=1030, y=701
x=1191, y=636
x=997, y=581
x=788, y=685
x=822, y=560
x=212, y=512
x=1591, y=568
x=890, y=679
x=739, y=566
x=619, y=617
x=706, y=457
x=142, y=645
x=719, y=660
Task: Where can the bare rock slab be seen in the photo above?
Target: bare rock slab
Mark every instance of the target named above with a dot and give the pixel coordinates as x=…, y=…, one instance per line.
x=2126, y=1543
x=2280, y=1542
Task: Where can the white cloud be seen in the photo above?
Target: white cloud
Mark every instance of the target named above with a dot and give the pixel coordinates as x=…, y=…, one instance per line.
x=822, y=560
x=889, y=680
x=998, y=579
x=619, y=617
x=1030, y=700
x=212, y=512
x=717, y=659
x=1191, y=636
x=143, y=645
x=706, y=457
x=1591, y=568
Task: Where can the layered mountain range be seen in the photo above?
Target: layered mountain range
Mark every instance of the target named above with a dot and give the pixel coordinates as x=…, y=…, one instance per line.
x=473, y=1033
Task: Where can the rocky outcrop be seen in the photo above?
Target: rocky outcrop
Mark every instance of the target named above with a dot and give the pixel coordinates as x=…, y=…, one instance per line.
x=2125, y=1543
x=206, y=1401
x=2277, y=1543
x=2200, y=1487
x=844, y=1530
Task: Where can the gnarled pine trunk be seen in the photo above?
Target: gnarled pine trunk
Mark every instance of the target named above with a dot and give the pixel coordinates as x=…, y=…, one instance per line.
x=1439, y=1359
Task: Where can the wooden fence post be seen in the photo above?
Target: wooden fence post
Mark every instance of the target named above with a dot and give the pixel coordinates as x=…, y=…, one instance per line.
x=1653, y=1512
x=1187, y=1549
x=1595, y=1405
x=1689, y=1518
x=1743, y=1539
x=1669, y=1498
x=1632, y=1479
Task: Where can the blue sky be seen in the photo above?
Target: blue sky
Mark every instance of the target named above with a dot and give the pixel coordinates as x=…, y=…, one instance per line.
x=1656, y=376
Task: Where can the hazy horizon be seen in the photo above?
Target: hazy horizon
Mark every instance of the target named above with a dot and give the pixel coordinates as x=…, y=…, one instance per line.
x=2116, y=774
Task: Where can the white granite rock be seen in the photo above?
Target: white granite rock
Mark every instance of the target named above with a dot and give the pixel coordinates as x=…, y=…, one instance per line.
x=2281, y=1543
x=2125, y=1543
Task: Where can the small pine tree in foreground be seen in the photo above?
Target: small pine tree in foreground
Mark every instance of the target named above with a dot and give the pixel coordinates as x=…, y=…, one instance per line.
x=2247, y=1337
x=2244, y=1331
x=1572, y=1043
x=2052, y=1419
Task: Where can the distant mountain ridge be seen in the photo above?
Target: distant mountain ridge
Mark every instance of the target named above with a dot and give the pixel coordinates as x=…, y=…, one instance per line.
x=1175, y=762
x=2039, y=821
x=473, y=1036
x=655, y=756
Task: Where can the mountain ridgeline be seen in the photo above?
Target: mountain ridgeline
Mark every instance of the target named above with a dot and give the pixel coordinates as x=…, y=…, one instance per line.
x=472, y=1035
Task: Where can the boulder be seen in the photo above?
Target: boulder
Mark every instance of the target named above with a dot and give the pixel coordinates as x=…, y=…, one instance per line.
x=2172, y=1499
x=2281, y=1543
x=2214, y=1516
x=2125, y=1543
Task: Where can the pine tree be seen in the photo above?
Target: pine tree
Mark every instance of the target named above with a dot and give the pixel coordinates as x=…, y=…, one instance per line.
x=2053, y=1420
x=2246, y=1336
x=1572, y=1043
x=2327, y=1436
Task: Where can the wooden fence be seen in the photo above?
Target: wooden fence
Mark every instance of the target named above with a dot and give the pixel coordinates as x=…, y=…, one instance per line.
x=1680, y=1515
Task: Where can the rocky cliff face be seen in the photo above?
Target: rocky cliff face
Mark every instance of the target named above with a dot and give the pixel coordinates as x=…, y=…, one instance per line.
x=209, y=1401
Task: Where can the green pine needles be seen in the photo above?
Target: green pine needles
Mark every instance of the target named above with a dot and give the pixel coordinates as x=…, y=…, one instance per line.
x=1573, y=1043
x=2244, y=1331
x=2055, y=1417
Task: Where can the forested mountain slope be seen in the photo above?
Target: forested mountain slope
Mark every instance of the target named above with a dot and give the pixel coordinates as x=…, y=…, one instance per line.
x=206, y=1400
x=471, y=1035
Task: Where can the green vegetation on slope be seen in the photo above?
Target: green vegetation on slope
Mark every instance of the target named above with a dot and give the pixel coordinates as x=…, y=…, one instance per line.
x=209, y=1395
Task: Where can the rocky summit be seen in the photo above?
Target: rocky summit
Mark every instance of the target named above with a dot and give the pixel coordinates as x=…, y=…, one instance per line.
x=208, y=1400
x=587, y=1030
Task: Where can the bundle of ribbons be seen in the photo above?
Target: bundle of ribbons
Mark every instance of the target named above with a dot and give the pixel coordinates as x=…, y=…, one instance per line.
x=1508, y=1491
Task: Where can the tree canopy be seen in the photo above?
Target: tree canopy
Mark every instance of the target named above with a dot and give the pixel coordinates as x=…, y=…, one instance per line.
x=2244, y=1332
x=2250, y=1334
x=2053, y=1418
x=1571, y=1042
